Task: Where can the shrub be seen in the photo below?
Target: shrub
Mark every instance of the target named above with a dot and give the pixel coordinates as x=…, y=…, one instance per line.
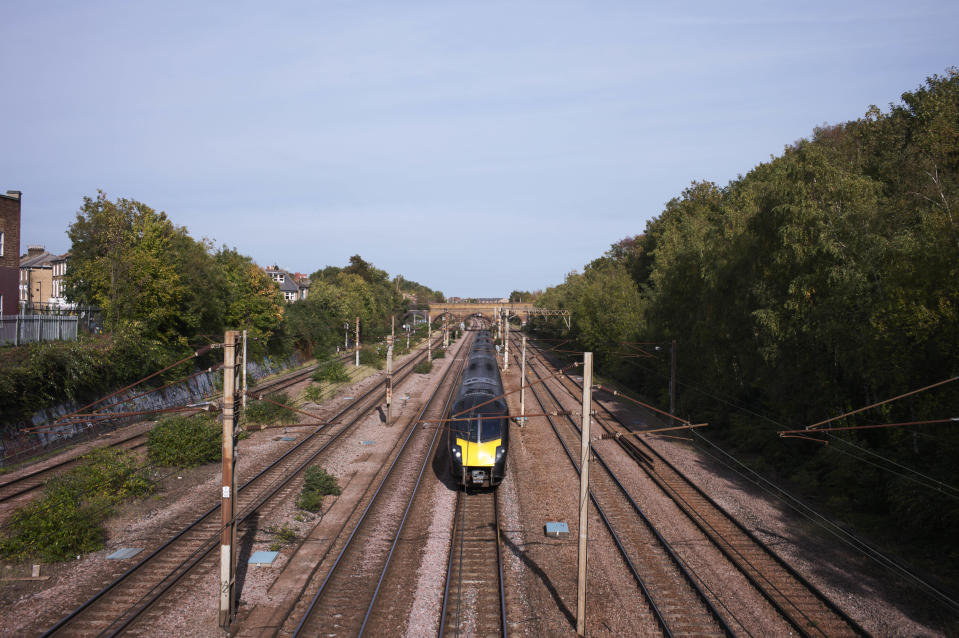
x=439, y=353
x=370, y=356
x=66, y=519
x=267, y=412
x=185, y=441
x=314, y=393
x=423, y=367
x=283, y=535
x=332, y=371
x=317, y=484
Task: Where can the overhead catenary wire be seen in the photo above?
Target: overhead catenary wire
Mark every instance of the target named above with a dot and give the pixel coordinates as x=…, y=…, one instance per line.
x=829, y=526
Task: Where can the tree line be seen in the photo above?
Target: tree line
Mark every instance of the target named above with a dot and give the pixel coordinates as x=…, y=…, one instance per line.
x=824, y=280
x=164, y=294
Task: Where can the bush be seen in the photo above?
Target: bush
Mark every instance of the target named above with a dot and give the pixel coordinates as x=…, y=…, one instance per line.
x=439, y=353
x=423, y=367
x=66, y=519
x=314, y=393
x=185, y=441
x=332, y=371
x=283, y=535
x=317, y=484
x=267, y=412
x=370, y=356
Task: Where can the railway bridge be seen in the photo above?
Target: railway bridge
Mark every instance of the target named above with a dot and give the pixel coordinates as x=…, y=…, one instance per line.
x=523, y=311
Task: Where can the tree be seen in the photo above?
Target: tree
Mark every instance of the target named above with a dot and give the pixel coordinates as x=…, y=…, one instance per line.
x=124, y=259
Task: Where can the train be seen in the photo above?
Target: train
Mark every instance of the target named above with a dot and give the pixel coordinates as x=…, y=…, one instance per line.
x=479, y=429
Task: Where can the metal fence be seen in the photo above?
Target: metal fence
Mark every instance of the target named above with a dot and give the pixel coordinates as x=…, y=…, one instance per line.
x=18, y=329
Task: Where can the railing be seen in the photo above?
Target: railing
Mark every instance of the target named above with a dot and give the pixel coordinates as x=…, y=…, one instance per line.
x=18, y=329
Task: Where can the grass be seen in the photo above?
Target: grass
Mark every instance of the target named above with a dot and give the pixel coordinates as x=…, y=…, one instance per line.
x=185, y=441
x=332, y=371
x=274, y=409
x=67, y=519
x=317, y=484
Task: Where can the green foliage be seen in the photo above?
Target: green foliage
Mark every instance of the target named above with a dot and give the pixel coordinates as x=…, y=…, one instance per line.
x=371, y=356
x=423, y=367
x=66, y=519
x=284, y=535
x=314, y=393
x=268, y=412
x=332, y=371
x=439, y=353
x=822, y=280
x=316, y=484
x=185, y=441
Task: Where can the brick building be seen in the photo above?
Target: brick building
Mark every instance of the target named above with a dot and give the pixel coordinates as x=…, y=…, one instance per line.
x=9, y=252
x=36, y=277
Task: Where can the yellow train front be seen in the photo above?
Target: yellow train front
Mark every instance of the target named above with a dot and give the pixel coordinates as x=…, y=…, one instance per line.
x=479, y=433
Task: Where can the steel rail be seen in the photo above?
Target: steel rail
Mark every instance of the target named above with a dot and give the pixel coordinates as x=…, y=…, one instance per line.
x=637, y=449
x=414, y=428
x=299, y=447
x=461, y=500
x=667, y=547
x=429, y=455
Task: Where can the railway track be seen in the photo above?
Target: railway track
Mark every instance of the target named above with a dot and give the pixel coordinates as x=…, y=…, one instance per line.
x=24, y=484
x=474, y=601
x=129, y=601
x=799, y=602
x=347, y=600
x=676, y=601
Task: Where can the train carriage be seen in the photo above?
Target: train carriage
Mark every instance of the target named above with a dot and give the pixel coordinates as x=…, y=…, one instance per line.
x=479, y=437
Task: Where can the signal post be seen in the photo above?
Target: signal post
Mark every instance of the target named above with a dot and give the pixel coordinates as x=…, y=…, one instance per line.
x=228, y=489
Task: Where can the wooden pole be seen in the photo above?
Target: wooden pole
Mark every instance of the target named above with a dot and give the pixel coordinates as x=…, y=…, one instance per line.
x=228, y=491
x=584, y=494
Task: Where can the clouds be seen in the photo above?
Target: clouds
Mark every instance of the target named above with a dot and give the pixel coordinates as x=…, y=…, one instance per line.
x=573, y=122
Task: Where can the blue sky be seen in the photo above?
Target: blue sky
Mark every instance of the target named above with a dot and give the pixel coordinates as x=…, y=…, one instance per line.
x=474, y=147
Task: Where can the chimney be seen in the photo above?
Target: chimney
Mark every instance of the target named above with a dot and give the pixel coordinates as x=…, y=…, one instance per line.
x=14, y=194
x=33, y=251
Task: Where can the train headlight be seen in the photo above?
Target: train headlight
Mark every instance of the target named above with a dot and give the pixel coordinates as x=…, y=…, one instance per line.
x=500, y=451
x=457, y=452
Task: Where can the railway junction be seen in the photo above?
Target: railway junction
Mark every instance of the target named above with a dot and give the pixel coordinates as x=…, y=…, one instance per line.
x=678, y=543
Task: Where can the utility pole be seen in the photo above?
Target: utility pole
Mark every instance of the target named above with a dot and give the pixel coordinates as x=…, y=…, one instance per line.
x=393, y=326
x=243, y=395
x=429, y=339
x=389, y=379
x=506, y=343
x=522, y=386
x=346, y=335
x=584, y=493
x=672, y=378
x=446, y=332
x=228, y=495
x=408, y=336
x=357, y=344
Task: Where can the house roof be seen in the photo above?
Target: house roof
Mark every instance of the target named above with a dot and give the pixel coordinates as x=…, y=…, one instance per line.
x=42, y=260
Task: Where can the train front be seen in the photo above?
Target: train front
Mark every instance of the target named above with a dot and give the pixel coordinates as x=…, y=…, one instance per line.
x=478, y=444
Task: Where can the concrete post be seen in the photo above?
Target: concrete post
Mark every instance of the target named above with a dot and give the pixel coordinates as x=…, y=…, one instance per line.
x=584, y=493
x=356, y=345
x=522, y=386
x=228, y=491
x=506, y=344
x=243, y=395
x=389, y=379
